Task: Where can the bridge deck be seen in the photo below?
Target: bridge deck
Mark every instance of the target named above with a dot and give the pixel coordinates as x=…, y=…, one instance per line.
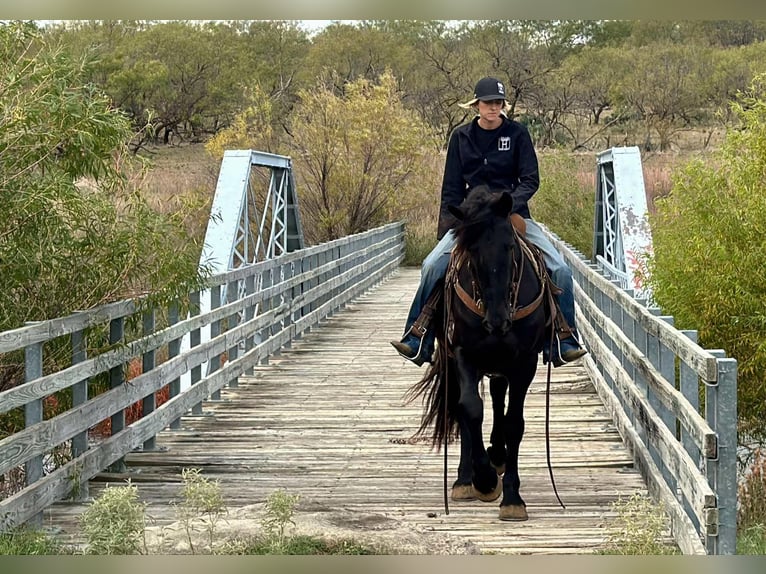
x=326, y=420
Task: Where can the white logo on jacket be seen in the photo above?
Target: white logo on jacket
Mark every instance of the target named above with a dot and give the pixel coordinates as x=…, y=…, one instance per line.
x=504, y=143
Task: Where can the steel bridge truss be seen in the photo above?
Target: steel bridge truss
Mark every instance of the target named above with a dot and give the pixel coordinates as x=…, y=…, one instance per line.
x=254, y=217
x=622, y=237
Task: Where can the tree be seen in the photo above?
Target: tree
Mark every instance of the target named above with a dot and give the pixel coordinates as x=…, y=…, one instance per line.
x=360, y=158
x=511, y=51
x=75, y=231
x=667, y=86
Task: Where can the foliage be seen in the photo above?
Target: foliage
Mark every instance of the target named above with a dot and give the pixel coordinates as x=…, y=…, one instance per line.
x=751, y=497
x=299, y=545
x=76, y=229
x=114, y=522
x=639, y=528
x=278, y=514
x=705, y=270
x=191, y=78
x=359, y=158
x=559, y=188
x=202, y=505
x=752, y=540
x=31, y=542
x=252, y=128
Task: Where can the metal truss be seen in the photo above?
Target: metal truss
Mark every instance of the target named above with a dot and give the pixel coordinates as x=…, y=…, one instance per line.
x=622, y=237
x=254, y=217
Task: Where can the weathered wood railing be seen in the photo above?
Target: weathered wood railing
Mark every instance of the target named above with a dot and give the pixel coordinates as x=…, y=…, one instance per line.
x=652, y=378
x=266, y=306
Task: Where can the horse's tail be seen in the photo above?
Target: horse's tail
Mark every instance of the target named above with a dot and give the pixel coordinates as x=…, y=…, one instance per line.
x=440, y=393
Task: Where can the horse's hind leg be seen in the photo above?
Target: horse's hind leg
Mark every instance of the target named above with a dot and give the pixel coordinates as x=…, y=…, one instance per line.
x=498, y=387
x=512, y=506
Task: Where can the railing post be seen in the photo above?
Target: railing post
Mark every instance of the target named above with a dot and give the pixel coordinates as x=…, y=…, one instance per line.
x=147, y=364
x=116, y=380
x=194, y=340
x=174, y=348
x=215, y=329
x=232, y=295
x=721, y=415
x=250, y=315
x=727, y=455
x=288, y=272
x=79, y=397
x=33, y=414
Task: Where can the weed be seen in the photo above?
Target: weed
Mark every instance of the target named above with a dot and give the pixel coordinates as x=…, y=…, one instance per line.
x=639, y=528
x=279, y=511
x=752, y=494
x=298, y=545
x=29, y=542
x=202, y=506
x=752, y=540
x=114, y=523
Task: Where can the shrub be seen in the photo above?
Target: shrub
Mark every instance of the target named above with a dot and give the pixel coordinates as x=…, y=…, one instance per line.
x=278, y=514
x=639, y=528
x=707, y=266
x=202, y=505
x=114, y=523
x=565, y=202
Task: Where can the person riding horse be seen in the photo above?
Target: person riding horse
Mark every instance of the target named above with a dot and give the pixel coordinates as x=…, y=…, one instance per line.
x=496, y=151
x=497, y=300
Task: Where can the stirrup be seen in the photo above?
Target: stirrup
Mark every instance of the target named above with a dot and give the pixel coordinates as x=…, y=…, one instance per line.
x=402, y=348
x=560, y=359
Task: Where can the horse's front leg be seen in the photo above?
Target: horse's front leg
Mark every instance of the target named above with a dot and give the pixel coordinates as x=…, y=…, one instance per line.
x=513, y=506
x=498, y=387
x=462, y=488
x=487, y=485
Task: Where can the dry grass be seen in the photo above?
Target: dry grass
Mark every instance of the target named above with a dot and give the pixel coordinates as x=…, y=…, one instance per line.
x=181, y=180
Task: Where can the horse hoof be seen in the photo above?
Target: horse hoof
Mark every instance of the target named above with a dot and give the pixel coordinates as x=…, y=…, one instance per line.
x=514, y=513
x=500, y=470
x=462, y=492
x=492, y=495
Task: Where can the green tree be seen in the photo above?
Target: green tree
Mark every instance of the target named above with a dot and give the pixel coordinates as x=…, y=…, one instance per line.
x=708, y=265
x=75, y=231
x=667, y=87
x=360, y=158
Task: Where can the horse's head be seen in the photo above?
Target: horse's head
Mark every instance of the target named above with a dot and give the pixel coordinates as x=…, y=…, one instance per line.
x=484, y=232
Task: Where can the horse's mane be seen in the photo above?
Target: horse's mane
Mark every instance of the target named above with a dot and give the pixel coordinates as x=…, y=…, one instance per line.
x=479, y=217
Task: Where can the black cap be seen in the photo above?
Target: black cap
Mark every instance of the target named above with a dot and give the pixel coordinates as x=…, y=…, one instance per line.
x=489, y=89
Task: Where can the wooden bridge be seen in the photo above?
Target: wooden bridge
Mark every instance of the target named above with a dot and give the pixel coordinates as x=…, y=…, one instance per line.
x=302, y=392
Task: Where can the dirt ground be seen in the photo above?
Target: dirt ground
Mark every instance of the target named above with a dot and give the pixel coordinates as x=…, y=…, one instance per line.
x=386, y=533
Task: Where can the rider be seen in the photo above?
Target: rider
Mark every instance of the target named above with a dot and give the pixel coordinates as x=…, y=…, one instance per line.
x=496, y=151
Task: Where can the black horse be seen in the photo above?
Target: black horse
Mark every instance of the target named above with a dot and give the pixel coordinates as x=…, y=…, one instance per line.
x=496, y=307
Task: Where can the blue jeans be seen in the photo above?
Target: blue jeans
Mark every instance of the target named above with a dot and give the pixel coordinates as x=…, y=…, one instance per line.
x=434, y=269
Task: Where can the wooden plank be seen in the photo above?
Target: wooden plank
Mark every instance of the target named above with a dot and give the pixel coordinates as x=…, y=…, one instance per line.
x=46, y=330
x=690, y=479
x=671, y=397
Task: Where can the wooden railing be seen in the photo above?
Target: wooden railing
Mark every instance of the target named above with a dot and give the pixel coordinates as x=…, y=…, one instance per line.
x=255, y=311
x=674, y=403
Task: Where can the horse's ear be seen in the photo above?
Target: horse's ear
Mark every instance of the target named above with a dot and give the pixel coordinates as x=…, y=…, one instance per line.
x=456, y=211
x=504, y=204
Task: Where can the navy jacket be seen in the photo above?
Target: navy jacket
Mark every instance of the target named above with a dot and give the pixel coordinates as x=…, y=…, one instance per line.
x=509, y=162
